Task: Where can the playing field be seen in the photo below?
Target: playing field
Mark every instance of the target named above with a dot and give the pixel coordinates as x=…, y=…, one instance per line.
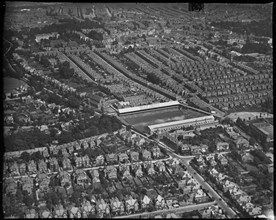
x=11, y=83
x=141, y=120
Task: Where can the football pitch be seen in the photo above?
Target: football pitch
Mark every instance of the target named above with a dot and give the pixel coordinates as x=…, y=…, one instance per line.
x=141, y=120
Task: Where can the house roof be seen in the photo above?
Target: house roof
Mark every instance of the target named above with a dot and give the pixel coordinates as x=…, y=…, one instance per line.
x=159, y=198
x=146, y=199
x=131, y=201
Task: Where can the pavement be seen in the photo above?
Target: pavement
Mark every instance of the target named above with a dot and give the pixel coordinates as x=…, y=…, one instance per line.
x=185, y=160
x=9, y=47
x=219, y=200
x=242, y=133
x=174, y=210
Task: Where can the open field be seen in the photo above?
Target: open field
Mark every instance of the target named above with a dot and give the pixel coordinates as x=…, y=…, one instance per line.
x=248, y=115
x=11, y=83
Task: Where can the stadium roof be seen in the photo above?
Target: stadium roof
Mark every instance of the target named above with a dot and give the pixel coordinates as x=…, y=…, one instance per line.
x=146, y=107
x=266, y=128
x=175, y=123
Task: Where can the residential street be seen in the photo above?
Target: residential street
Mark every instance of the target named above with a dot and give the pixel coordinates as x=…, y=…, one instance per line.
x=213, y=193
x=205, y=185
x=188, y=208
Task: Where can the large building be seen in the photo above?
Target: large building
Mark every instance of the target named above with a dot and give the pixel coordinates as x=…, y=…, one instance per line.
x=163, y=117
x=205, y=121
x=263, y=131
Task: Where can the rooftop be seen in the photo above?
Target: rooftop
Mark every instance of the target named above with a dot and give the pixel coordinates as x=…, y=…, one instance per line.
x=265, y=127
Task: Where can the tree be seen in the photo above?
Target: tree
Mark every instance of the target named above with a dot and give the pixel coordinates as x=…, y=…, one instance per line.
x=52, y=199
x=28, y=200
x=73, y=102
x=76, y=198
x=43, y=108
x=144, y=191
x=65, y=137
x=19, y=195
x=53, y=132
x=252, y=141
x=25, y=156
x=227, y=121
x=36, y=156
x=82, y=125
x=128, y=127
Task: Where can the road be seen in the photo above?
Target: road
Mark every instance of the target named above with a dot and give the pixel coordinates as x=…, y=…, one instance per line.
x=205, y=185
x=88, y=168
x=174, y=210
x=218, y=113
x=185, y=160
x=9, y=47
x=242, y=133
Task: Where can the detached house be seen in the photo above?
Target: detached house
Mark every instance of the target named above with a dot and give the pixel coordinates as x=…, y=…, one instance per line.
x=44, y=212
x=228, y=185
x=222, y=146
x=100, y=160
x=145, y=202
x=81, y=177
x=54, y=167
x=200, y=196
x=74, y=212
x=82, y=161
x=137, y=170
x=131, y=204
x=111, y=172
x=27, y=184
x=95, y=178
x=254, y=211
x=11, y=186
x=156, y=152
x=32, y=167
x=146, y=155
x=247, y=158
x=86, y=161
x=161, y=166
x=31, y=213
x=102, y=207
x=14, y=169
x=140, y=142
x=84, y=144
x=195, y=149
x=117, y=206
x=149, y=167
x=66, y=163
x=42, y=166
x=134, y=156
x=125, y=170
x=111, y=158
x=78, y=161
x=60, y=212
x=223, y=160
x=87, y=208
x=43, y=181
x=160, y=202
x=241, y=143
x=65, y=179
x=123, y=157
x=22, y=168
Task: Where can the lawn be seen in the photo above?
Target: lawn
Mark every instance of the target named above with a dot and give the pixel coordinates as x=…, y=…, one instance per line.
x=11, y=83
x=250, y=167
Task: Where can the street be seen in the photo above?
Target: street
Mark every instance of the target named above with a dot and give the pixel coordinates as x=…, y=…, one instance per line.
x=205, y=185
x=188, y=208
x=185, y=160
x=9, y=47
